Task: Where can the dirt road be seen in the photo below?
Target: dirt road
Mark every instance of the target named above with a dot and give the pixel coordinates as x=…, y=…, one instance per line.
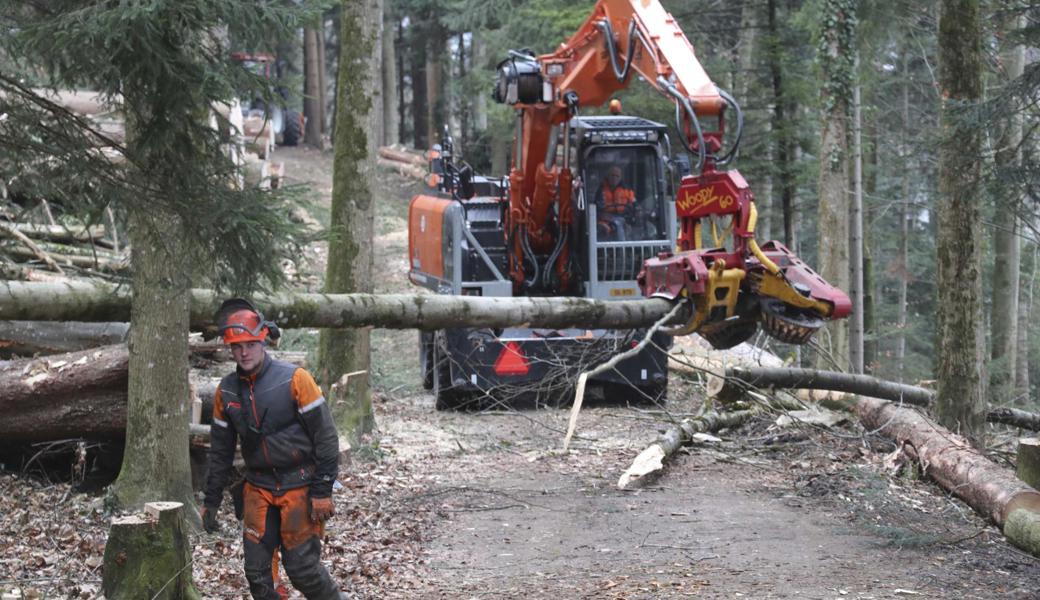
x=765, y=513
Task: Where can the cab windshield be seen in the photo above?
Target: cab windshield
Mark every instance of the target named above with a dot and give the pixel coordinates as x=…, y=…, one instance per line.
x=624, y=184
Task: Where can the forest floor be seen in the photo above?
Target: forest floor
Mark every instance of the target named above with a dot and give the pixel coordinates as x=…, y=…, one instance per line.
x=486, y=505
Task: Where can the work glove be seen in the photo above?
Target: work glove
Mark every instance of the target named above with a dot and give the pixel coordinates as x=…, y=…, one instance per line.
x=322, y=509
x=209, y=519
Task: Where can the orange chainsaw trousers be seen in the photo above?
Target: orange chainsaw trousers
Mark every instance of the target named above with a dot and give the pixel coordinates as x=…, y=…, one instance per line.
x=282, y=522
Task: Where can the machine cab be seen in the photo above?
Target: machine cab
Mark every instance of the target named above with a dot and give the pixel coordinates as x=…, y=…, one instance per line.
x=625, y=212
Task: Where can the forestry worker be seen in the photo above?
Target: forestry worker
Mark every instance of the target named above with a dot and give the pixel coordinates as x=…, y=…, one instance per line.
x=291, y=453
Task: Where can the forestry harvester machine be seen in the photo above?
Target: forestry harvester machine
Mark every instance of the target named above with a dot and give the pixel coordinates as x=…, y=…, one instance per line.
x=555, y=226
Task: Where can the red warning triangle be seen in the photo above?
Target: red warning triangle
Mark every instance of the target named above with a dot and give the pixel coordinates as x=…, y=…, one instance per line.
x=511, y=361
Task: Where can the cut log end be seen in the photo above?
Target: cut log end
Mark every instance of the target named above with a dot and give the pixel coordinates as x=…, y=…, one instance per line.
x=1028, y=469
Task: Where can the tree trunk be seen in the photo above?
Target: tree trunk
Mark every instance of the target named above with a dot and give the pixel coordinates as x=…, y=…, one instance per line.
x=781, y=111
x=1025, y=309
x=402, y=106
x=783, y=377
x=391, y=123
x=835, y=57
x=480, y=103
x=100, y=302
x=960, y=342
x=1006, y=242
x=954, y=464
x=28, y=338
x=870, y=295
x=155, y=464
x=349, y=267
x=903, y=260
x=313, y=94
x=82, y=394
x=435, y=98
x=149, y=555
x=377, y=94
x=1014, y=417
x=856, y=290
x=417, y=30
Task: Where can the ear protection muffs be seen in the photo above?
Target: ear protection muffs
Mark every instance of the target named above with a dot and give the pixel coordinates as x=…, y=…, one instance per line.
x=233, y=305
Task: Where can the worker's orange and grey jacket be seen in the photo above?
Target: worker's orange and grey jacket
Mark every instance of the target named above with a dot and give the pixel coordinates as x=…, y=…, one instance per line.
x=288, y=437
x=617, y=200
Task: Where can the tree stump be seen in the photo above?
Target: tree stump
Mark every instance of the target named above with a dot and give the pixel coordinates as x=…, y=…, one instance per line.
x=1029, y=461
x=148, y=555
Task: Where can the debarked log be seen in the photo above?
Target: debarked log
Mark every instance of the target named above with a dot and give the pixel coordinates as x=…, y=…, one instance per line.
x=86, y=301
x=676, y=436
x=949, y=460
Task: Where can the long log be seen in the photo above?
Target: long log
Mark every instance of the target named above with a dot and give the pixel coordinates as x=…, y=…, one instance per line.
x=401, y=156
x=27, y=338
x=1014, y=417
x=85, y=301
x=651, y=459
x=791, y=378
x=960, y=469
x=738, y=379
x=81, y=394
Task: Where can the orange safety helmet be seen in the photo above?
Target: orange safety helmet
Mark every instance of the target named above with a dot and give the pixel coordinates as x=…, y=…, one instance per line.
x=240, y=322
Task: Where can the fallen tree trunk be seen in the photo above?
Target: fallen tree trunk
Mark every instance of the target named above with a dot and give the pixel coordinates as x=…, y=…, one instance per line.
x=82, y=301
x=401, y=156
x=651, y=459
x=67, y=396
x=1015, y=418
x=960, y=469
x=28, y=338
x=64, y=234
x=740, y=378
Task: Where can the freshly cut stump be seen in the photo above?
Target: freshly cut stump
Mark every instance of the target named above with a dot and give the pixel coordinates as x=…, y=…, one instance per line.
x=1029, y=461
x=148, y=555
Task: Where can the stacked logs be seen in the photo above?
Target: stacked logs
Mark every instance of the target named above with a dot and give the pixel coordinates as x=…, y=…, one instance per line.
x=405, y=161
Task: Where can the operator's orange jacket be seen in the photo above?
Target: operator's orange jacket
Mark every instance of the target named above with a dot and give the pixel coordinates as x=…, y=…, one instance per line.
x=616, y=200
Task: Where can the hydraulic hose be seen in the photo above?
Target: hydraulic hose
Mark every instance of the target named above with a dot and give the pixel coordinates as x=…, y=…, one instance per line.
x=728, y=156
x=525, y=243
x=684, y=102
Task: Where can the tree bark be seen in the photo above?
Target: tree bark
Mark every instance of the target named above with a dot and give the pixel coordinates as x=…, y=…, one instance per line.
x=349, y=267
x=388, y=75
x=1014, y=417
x=417, y=30
x=782, y=110
x=149, y=555
x=782, y=377
x=835, y=57
x=100, y=302
x=1025, y=309
x=856, y=290
x=155, y=464
x=313, y=94
x=1006, y=242
x=903, y=259
x=28, y=338
x=960, y=343
x=82, y=394
x=436, y=41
